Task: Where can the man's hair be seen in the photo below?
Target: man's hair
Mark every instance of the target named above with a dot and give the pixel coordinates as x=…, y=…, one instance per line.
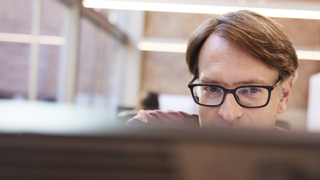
x=260, y=36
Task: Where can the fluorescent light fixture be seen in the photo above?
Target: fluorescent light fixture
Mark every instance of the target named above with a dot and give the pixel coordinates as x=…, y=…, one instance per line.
x=309, y=55
x=181, y=48
x=162, y=47
x=203, y=9
x=27, y=38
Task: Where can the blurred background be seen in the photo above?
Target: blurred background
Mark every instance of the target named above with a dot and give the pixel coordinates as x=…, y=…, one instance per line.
x=90, y=60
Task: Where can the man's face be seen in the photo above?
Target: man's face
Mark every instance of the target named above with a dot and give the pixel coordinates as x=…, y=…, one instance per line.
x=224, y=63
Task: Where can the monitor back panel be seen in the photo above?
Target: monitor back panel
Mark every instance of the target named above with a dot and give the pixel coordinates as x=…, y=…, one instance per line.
x=157, y=154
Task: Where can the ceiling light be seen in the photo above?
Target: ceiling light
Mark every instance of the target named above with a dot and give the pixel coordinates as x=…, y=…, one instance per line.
x=308, y=55
x=181, y=48
x=162, y=47
x=28, y=38
x=203, y=9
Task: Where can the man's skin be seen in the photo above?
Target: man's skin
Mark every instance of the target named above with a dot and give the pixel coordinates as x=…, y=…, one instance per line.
x=224, y=63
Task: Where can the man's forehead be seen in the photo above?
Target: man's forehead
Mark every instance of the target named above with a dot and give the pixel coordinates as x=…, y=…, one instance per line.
x=246, y=72
x=224, y=62
x=233, y=82
x=217, y=44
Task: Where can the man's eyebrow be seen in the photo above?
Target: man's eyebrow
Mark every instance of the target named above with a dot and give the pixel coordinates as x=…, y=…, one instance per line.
x=208, y=80
x=249, y=82
x=205, y=81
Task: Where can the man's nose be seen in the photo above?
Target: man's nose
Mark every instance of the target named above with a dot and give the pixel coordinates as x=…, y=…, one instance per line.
x=230, y=110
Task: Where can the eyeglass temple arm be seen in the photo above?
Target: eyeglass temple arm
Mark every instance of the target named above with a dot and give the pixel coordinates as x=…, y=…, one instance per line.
x=276, y=84
x=193, y=79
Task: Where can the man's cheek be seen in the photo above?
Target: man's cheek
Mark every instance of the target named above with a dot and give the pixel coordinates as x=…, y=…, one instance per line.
x=207, y=115
x=260, y=117
x=203, y=115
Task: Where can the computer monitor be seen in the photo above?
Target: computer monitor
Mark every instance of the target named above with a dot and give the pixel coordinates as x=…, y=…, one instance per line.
x=145, y=153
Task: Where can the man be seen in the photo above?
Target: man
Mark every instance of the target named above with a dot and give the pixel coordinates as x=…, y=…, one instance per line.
x=243, y=66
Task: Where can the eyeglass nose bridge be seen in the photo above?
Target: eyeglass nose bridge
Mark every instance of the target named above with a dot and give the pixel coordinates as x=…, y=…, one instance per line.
x=232, y=91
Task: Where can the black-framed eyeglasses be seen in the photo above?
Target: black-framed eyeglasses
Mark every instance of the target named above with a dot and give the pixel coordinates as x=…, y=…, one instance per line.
x=246, y=96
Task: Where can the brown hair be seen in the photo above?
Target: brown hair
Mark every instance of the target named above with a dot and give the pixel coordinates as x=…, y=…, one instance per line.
x=148, y=101
x=259, y=35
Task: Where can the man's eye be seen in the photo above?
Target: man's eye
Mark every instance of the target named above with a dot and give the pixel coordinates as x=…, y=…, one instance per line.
x=249, y=91
x=253, y=89
x=213, y=89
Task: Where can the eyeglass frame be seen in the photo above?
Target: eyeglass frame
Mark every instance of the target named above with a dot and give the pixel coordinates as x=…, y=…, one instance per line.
x=232, y=91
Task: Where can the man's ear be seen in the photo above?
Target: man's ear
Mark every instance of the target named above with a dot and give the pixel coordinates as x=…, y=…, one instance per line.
x=286, y=86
